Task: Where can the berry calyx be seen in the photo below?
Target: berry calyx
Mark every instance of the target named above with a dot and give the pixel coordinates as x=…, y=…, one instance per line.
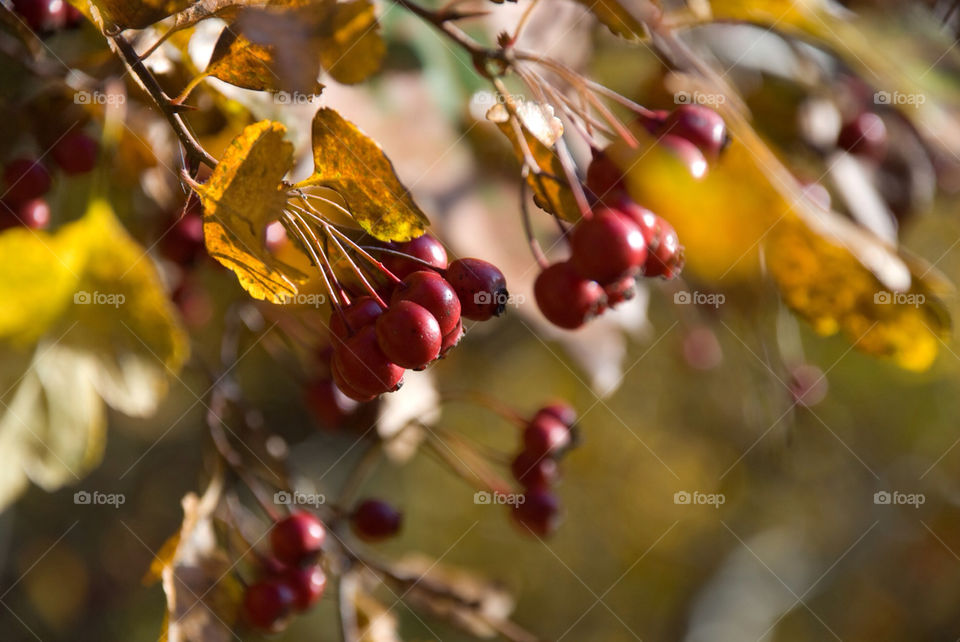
x=307, y=584
x=621, y=290
x=606, y=246
x=266, y=603
x=375, y=519
x=533, y=471
x=539, y=512
x=425, y=247
x=545, y=435
x=434, y=293
x=297, y=538
x=363, y=368
x=565, y=298
x=25, y=179
x=409, y=335
x=865, y=135
x=700, y=125
x=362, y=312
x=480, y=286
x=75, y=153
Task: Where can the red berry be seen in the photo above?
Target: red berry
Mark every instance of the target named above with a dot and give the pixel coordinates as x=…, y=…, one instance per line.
x=183, y=242
x=328, y=404
x=266, y=603
x=621, y=290
x=34, y=214
x=359, y=314
x=534, y=471
x=409, y=335
x=296, y=538
x=700, y=125
x=564, y=412
x=344, y=386
x=434, y=293
x=654, y=120
x=687, y=153
x=604, y=178
x=540, y=512
x=25, y=179
x=375, y=519
x=424, y=247
x=362, y=366
x=452, y=338
x=76, y=153
x=666, y=256
x=307, y=584
x=74, y=17
x=865, y=135
x=606, y=246
x=646, y=220
x=565, y=298
x=546, y=435
x=42, y=15
x=480, y=286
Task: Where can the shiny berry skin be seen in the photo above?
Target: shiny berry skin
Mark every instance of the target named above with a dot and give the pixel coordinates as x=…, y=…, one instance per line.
x=183, y=242
x=434, y=293
x=362, y=312
x=480, y=286
x=565, y=298
x=604, y=179
x=564, y=412
x=409, y=335
x=75, y=153
x=545, y=435
x=375, y=519
x=700, y=125
x=534, y=471
x=327, y=403
x=621, y=290
x=348, y=390
x=25, y=179
x=452, y=338
x=266, y=603
x=606, y=246
x=297, y=537
x=363, y=367
x=687, y=153
x=34, y=214
x=865, y=135
x=540, y=512
x=424, y=247
x=647, y=221
x=665, y=258
x=42, y=16
x=307, y=584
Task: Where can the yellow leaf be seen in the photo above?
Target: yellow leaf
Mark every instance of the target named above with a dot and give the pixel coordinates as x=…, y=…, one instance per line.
x=350, y=162
x=137, y=14
x=352, y=48
x=244, y=194
x=616, y=18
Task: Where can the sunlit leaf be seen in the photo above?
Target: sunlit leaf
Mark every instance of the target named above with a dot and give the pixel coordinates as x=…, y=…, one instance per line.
x=616, y=17
x=350, y=162
x=352, y=48
x=244, y=194
x=137, y=14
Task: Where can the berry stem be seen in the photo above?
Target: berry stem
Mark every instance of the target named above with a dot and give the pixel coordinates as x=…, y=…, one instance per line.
x=359, y=250
x=535, y=248
x=485, y=401
x=291, y=222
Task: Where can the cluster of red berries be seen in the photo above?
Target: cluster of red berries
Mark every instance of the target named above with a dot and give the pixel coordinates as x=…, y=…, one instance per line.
x=374, y=344
x=48, y=16
x=548, y=435
x=27, y=180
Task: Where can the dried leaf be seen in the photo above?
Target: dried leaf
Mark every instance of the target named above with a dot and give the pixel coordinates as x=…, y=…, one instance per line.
x=616, y=18
x=352, y=48
x=350, y=162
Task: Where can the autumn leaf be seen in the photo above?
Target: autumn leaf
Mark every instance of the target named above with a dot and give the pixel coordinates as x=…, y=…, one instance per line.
x=353, y=164
x=616, y=18
x=351, y=48
x=243, y=195
x=137, y=14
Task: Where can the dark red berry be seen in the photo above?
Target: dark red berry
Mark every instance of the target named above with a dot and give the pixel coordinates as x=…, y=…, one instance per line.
x=75, y=153
x=42, y=16
x=865, y=135
x=409, y=335
x=606, y=246
x=307, y=584
x=363, y=367
x=183, y=243
x=564, y=412
x=424, y=247
x=647, y=221
x=452, y=338
x=534, y=471
x=653, y=120
x=375, y=519
x=327, y=402
x=700, y=125
x=687, y=153
x=348, y=390
x=434, y=293
x=74, y=17
x=665, y=258
x=480, y=286
x=359, y=314
x=545, y=435
x=540, y=512
x=297, y=537
x=25, y=179
x=620, y=290
x=604, y=179
x=565, y=298
x=34, y=214
x=266, y=603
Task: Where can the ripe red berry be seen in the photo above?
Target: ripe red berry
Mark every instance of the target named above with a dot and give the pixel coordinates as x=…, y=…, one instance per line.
x=646, y=220
x=545, y=435
x=480, y=286
x=604, y=178
x=307, y=584
x=409, y=335
x=25, y=179
x=565, y=298
x=359, y=314
x=540, y=512
x=452, y=338
x=620, y=290
x=564, y=412
x=328, y=404
x=424, y=247
x=34, y=214
x=266, y=603
x=534, y=471
x=665, y=258
x=654, y=120
x=348, y=390
x=700, y=125
x=183, y=242
x=297, y=537
x=75, y=153
x=375, y=519
x=42, y=16
x=434, y=293
x=363, y=367
x=687, y=153
x=865, y=135
x=606, y=246
x=74, y=17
